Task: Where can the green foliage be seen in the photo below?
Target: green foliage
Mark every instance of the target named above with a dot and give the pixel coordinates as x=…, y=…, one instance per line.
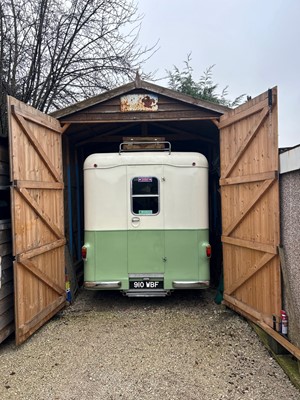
x=204, y=89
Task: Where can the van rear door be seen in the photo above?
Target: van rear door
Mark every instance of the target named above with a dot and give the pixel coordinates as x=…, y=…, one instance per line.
x=145, y=221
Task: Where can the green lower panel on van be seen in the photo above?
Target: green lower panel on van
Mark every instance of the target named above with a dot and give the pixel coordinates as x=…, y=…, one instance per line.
x=176, y=254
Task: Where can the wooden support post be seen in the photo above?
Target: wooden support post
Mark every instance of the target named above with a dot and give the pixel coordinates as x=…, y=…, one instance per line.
x=78, y=207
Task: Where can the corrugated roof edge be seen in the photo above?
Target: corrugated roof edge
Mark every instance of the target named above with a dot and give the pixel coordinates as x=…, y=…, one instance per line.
x=138, y=84
x=284, y=149
x=289, y=160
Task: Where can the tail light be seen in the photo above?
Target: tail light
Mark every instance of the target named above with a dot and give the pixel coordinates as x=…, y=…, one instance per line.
x=208, y=251
x=83, y=252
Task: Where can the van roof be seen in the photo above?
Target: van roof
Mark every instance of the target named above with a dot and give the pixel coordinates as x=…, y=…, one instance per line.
x=110, y=160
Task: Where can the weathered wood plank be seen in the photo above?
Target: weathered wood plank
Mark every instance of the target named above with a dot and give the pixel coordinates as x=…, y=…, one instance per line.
x=5, y=332
x=4, y=180
x=7, y=275
x=5, y=236
x=6, y=289
x=4, y=154
x=6, y=303
x=4, y=168
x=6, y=319
x=6, y=262
x=5, y=248
x=142, y=117
x=5, y=224
x=142, y=143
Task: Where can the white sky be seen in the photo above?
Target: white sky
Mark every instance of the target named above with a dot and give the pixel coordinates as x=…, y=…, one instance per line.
x=254, y=44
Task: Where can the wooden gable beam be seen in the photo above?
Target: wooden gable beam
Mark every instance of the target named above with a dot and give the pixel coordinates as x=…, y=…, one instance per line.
x=182, y=132
x=94, y=137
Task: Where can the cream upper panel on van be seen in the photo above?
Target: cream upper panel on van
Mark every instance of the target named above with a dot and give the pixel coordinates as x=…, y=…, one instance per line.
x=183, y=193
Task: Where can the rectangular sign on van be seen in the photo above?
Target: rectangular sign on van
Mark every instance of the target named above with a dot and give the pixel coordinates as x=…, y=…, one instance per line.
x=144, y=179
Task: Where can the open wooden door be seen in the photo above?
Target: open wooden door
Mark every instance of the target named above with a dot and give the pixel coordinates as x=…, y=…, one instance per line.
x=37, y=217
x=250, y=208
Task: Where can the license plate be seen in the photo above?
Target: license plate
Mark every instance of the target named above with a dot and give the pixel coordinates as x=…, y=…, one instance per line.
x=146, y=284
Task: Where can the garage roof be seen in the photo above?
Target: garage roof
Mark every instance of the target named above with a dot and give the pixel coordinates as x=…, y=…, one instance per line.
x=137, y=109
x=133, y=87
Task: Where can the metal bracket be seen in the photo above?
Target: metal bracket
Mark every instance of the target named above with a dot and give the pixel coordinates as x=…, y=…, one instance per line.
x=270, y=98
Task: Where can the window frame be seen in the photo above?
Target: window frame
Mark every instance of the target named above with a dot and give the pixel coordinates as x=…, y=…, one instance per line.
x=145, y=195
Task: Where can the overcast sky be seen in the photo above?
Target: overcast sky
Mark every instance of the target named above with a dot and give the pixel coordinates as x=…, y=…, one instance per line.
x=254, y=44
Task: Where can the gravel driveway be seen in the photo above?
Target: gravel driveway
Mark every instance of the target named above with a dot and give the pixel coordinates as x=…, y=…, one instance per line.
x=106, y=346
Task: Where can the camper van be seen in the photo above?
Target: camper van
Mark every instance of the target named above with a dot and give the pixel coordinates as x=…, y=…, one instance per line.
x=146, y=222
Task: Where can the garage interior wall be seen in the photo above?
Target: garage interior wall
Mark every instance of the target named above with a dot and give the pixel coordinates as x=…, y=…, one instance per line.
x=6, y=264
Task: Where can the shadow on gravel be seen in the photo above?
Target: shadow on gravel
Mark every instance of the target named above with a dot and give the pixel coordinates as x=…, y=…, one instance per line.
x=100, y=301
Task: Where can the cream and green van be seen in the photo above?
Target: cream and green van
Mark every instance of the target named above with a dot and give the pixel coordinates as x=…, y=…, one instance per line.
x=146, y=222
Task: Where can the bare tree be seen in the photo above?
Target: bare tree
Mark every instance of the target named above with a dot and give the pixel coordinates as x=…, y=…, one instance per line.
x=55, y=52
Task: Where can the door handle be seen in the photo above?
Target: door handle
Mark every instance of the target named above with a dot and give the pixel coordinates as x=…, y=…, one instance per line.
x=135, y=219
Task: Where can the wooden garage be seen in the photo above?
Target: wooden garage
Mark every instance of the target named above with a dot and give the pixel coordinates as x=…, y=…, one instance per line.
x=47, y=155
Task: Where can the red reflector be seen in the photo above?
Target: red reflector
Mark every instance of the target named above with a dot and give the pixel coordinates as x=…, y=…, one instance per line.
x=208, y=251
x=83, y=252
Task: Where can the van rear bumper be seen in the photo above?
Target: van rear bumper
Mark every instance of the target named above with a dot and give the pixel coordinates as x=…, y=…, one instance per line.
x=103, y=285
x=190, y=284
